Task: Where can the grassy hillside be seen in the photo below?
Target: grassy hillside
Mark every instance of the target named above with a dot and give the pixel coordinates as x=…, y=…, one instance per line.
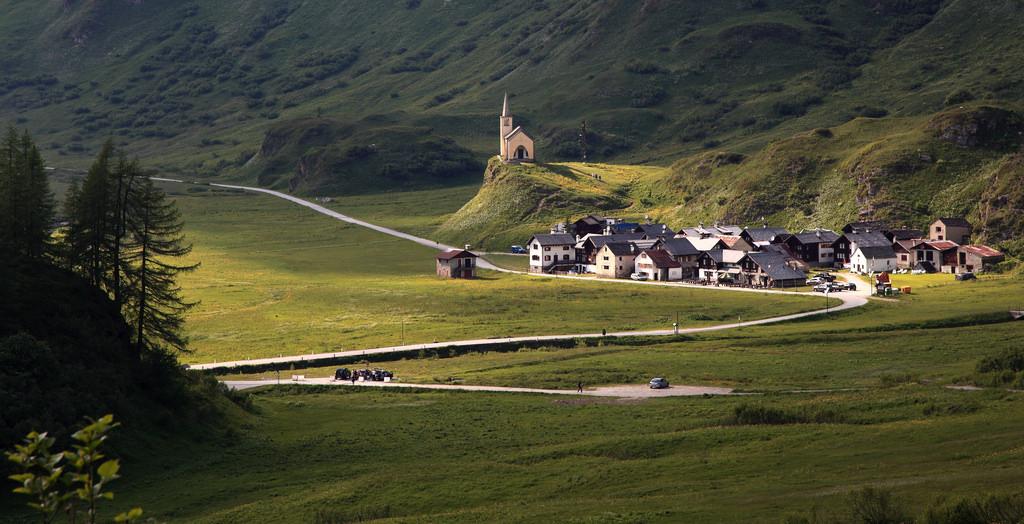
x=653, y=79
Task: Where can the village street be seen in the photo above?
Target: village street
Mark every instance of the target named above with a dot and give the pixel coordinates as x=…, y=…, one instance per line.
x=849, y=300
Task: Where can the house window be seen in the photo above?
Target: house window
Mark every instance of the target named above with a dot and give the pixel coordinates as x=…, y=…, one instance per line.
x=938, y=229
x=620, y=268
x=565, y=248
x=903, y=258
x=535, y=257
x=547, y=248
x=604, y=267
x=547, y=258
x=940, y=237
x=565, y=257
x=605, y=259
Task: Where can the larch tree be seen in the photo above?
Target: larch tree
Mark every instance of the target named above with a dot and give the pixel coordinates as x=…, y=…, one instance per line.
x=153, y=299
x=26, y=202
x=90, y=219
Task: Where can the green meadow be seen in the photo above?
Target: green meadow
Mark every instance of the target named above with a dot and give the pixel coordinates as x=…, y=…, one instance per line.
x=278, y=279
x=330, y=455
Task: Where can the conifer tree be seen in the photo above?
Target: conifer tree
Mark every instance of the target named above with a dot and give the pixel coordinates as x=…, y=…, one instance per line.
x=154, y=302
x=89, y=217
x=26, y=203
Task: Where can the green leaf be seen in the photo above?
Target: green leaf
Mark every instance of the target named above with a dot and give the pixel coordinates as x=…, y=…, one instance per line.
x=108, y=470
x=130, y=515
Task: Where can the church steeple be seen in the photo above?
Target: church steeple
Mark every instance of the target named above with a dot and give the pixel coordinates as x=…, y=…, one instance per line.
x=504, y=107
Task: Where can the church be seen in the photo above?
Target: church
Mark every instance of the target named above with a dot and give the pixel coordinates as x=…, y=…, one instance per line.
x=516, y=145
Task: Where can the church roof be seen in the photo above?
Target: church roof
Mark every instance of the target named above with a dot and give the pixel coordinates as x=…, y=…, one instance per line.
x=514, y=132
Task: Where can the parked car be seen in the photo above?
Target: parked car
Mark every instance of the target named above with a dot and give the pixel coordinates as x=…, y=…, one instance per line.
x=814, y=281
x=966, y=276
x=342, y=374
x=518, y=250
x=830, y=287
x=658, y=383
x=826, y=277
x=638, y=276
x=845, y=286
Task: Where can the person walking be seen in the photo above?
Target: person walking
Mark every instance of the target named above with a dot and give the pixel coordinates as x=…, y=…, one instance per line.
x=579, y=387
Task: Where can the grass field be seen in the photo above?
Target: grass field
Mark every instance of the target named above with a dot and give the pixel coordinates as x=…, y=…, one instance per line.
x=278, y=279
x=375, y=456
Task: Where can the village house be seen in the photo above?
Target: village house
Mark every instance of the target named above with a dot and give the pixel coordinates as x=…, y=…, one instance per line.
x=684, y=253
x=588, y=246
x=847, y=244
x=720, y=265
x=457, y=263
x=936, y=256
x=873, y=259
x=655, y=231
x=906, y=252
x=616, y=260
x=814, y=246
x=763, y=236
x=516, y=145
x=620, y=228
x=589, y=225
x=552, y=252
x=770, y=270
x=791, y=259
x=971, y=259
x=658, y=265
x=953, y=229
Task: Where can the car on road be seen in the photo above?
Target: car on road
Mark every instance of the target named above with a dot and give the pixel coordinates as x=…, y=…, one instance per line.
x=658, y=383
x=966, y=276
x=638, y=276
x=518, y=250
x=845, y=286
x=829, y=287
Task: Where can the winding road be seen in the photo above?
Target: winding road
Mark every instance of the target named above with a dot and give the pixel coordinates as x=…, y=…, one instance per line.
x=849, y=300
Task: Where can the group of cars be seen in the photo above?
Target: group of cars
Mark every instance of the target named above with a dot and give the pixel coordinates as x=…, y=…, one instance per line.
x=827, y=283
x=367, y=375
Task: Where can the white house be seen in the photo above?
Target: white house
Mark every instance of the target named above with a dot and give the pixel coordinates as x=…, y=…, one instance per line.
x=551, y=252
x=873, y=259
x=657, y=264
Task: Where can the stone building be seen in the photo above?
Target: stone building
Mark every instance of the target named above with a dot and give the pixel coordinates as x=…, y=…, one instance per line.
x=516, y=145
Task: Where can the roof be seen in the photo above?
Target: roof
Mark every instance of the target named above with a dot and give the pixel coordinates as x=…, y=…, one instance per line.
x=661, y=258
x=816, y=236
x=600, y=240
x=679, y=247
x=592, y=220
x=909, y=244
x=876, y=252
x=514, y=132
x=904, y=234
x=942, y=245
x=726, y=230
x=864, y=226
x=775, y=266
x=655, y=230
x=726, y=256
x=874, y=238
x=555, y=239
x=706, y=244
x=764, y=234
x=982, y=251
x=730, y=242
x=623, y=227
x=954, y=221
x=645, y=244
x=455, y=253
x=621, y=249
x=689, y=232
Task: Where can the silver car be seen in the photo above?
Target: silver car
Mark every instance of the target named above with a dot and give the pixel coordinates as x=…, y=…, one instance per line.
x=658, y=383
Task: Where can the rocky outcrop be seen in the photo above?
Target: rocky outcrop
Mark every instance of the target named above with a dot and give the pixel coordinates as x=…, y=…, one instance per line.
x=988, y=127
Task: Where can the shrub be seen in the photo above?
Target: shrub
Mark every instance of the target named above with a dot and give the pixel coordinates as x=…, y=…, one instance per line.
x=993, y=508
x=959, y=97
x=1010, y=359
x=875, y=506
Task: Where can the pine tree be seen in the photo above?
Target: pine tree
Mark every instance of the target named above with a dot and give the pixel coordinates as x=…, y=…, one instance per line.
x=123, y=180
x=26, y=203
x=154, y=302
x=90, y=220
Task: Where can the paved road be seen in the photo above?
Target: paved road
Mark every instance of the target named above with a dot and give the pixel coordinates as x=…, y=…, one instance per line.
x=611, y=391
x=849, y=299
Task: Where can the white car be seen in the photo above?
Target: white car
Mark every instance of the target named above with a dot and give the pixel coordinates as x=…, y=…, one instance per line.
x=638, y=276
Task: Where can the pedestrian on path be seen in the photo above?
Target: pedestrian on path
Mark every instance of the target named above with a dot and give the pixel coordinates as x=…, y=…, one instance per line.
x=579, y=387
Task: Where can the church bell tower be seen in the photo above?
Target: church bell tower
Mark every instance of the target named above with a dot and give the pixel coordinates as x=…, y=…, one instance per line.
x=506, y=126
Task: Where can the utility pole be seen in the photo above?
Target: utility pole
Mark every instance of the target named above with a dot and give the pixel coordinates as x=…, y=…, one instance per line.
x=583, y=139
